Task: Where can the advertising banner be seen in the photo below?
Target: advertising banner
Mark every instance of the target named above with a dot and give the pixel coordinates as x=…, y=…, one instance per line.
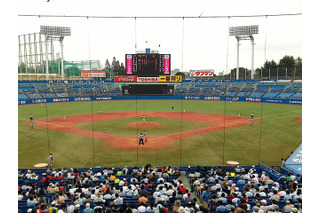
x=125, y=78
x=147, y=79
x=166, y=64
x=129, y=64
x=170, y=79
x=201, y=73
x=93, y=74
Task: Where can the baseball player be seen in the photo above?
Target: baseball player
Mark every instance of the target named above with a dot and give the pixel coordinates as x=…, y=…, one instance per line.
x=50, y=159
x=239, y=114
x=64, y=117
x=141, y=139
x=31, y=120
x=143, y=118
x=145, y=136
x=184, y=109
x=172, y=107
x=100, y=109
x=252, y=115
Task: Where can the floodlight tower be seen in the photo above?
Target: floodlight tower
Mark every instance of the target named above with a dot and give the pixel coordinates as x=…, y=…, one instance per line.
x=244, y=33
x=55, y=33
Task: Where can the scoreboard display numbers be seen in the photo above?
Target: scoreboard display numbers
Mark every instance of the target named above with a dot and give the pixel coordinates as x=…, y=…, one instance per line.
x=148, y=65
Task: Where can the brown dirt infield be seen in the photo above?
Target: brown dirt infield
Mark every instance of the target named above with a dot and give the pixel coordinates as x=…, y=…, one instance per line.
x=297, y=120
x=217, y=122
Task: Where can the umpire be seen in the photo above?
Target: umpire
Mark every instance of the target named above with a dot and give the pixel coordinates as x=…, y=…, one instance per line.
x=141, y=139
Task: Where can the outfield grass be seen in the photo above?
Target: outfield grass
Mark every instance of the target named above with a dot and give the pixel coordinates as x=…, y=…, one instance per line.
x=276, y=136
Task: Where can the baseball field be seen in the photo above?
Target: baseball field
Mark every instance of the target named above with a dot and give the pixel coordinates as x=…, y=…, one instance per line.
x=208, y=133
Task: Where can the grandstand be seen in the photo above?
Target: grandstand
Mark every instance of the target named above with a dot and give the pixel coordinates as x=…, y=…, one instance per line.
x=258, y=89
x=161, y=186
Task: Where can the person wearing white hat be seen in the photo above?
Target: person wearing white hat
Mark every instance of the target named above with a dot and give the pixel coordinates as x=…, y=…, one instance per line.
x=88, y=209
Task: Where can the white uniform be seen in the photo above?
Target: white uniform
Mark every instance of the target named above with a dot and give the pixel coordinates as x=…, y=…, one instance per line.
x=145, y=136
x=50, y=159
x=252, y=115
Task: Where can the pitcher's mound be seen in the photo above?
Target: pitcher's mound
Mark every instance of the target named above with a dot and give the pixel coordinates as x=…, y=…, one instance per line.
x=144, y=124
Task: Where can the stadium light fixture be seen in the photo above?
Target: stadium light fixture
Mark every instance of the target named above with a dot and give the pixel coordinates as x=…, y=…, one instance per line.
x=244, y=33
x=52, y=33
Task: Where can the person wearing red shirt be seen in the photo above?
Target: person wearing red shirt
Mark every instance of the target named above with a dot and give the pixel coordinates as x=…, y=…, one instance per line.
x=182, y=189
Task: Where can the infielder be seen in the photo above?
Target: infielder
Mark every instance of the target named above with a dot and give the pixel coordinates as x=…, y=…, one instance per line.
x=143, y=118
x=172, y=107
x=239, y=114
x=100, y=109
x=252, y=115
x=141, y=139
x=64, y=117
x=145, y=136
x=31, y=120
x=184, y=109
x=50, y=159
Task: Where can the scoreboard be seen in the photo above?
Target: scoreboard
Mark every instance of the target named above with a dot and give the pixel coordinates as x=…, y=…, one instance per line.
x=148, y=65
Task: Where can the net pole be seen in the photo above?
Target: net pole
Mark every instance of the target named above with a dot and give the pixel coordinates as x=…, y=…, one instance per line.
x=47, y=128
x=93, y=160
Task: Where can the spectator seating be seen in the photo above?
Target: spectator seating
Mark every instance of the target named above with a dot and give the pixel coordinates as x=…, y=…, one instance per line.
x=160, y=185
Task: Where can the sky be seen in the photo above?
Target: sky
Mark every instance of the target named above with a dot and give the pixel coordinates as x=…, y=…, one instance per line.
x=194, y=43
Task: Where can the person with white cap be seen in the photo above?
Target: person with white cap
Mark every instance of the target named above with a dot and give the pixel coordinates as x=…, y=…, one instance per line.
x=142, y=208
x=88, y=209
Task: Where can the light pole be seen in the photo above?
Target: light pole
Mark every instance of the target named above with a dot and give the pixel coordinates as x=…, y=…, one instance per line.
x=244, y=33
x=55, y=33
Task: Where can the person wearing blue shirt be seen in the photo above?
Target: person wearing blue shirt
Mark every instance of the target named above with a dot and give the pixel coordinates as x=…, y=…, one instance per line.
x=205, y=197
x=221, y=208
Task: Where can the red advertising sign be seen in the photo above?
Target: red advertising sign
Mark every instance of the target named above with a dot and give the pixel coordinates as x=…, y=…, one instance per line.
x=201, y=73
x=148, y=79
x=125, y=78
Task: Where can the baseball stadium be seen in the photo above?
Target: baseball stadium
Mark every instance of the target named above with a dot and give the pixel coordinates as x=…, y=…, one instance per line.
x=96, y=137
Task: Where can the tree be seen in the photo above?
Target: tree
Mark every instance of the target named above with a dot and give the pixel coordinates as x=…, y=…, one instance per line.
x=107, y=66
x=299, y=67
x=182, y=74
x=286, y=66
x=268, y=66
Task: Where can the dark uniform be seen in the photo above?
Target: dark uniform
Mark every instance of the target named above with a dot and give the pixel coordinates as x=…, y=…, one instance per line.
x=141, y=139
x=31, y=120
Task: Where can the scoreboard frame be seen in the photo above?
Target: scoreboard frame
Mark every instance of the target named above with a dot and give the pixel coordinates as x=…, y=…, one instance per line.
x=148, y=64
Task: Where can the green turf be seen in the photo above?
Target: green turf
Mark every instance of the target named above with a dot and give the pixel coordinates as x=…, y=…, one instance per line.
x=118, y=127
x=268, y=141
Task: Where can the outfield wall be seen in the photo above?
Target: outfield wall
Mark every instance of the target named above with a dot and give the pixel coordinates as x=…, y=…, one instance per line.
x=197, y=98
